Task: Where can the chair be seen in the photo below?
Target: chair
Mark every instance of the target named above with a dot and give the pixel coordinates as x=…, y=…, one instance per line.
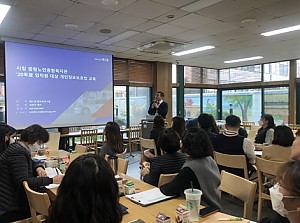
x=232, y=161
x=122, y=165
x=38, y=203
x=80, y=148
x=147, y=144
x=134, y=134
x=53, y=143
x=123, y=154
x=88, y=138
x=247, y=125
x=264, y=168
x=240, y=188
x=294, y=126
x=166, y=178
x=276, y=153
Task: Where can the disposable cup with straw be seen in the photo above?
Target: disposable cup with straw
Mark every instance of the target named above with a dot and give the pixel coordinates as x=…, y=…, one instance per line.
x=193, y=199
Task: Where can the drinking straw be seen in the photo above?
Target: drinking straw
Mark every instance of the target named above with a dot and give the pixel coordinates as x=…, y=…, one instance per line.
x=191, y=182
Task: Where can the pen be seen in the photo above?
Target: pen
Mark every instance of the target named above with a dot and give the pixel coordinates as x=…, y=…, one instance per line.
x=230, y=219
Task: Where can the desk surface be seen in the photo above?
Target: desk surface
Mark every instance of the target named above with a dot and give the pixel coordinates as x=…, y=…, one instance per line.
x=148, y=214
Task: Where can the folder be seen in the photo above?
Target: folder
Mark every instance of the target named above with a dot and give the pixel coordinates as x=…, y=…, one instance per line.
x=148, y=197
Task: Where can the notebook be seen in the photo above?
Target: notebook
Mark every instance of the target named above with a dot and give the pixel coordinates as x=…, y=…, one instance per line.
x=148, y=197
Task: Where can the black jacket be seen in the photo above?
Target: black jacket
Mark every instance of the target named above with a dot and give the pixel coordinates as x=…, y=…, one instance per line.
x=17, y=166
x=162, y=109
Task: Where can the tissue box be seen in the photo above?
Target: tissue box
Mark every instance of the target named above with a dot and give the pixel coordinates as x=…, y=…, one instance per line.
x=129, y=188
x=182, y=214
x=162, y=218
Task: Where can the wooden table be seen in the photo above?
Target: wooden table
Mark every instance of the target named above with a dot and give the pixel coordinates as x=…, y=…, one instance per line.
x=148, y=213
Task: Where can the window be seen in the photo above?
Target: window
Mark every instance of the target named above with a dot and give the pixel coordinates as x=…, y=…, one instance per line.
x=139, y=99
x=276, y=71
x=174, y=102
x=174, y=73
x=209, y=76
x=210, y=102
x=240, y=74
x=197, y=75
x=120, y=111
x=276, y=103
x=244, y=103
x=191, y=103
x=298, y=68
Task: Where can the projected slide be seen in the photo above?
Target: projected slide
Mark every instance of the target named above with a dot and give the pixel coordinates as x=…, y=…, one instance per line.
x=57, y=87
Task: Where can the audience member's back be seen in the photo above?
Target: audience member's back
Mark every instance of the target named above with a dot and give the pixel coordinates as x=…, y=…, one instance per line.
x=206, y=123
x=230, y=142
x=158, y=126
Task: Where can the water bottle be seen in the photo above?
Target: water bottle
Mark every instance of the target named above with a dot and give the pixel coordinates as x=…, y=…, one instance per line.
x=113, y=162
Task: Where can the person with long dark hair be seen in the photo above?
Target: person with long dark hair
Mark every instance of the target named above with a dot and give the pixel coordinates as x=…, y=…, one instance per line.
x=280, y=150
x=200, y=169
x=17, y=166
x=266, y=133
x=88, y=193
x=113, y=144
x=158, y=126
x=178, y=124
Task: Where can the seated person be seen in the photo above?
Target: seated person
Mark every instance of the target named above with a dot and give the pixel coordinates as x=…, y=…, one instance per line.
x=88, y=193
x=230, y=142
x=178, y=124
x=295, y=150
x=243, y=132
x=192, y=123
x=170, y=162
x=200, y=169
x=285, y=195
x=266, y=133
x=113, y=144
x=17, y=166
x=158, y=126
x=280, y=150
x=206, y=123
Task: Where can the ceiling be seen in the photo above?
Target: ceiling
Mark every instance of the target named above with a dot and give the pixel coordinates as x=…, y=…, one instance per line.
x=134, y=23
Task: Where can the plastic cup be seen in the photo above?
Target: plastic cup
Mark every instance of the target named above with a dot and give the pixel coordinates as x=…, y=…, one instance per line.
x=193, y=199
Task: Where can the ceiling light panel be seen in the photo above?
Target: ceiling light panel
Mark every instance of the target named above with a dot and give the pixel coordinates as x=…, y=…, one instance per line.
x=243, y=59
x=280, y=31
x=195, y=50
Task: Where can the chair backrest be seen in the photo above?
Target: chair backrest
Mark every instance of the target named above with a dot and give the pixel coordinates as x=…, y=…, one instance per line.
x=80, y=148
x=232, y=161
x=147, y=144
x=122, y=155
x=276, y=153
x=135, y=133
x=53, y=143
x=247, y=125
x=38, y=203
x=166, y=178
x=88, y=137
x=265, y=168
x=122, y=166
x=294, y=126
x=240, y=188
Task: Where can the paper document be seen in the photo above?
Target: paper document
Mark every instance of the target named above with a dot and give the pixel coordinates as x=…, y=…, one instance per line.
x=148, y=197
x=52, y=172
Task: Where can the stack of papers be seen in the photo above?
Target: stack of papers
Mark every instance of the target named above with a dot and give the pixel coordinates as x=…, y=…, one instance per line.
x=148, y=197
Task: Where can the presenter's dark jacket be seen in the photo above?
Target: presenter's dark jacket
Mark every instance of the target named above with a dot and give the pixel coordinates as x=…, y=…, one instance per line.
x=162, y=109
x=17, y=166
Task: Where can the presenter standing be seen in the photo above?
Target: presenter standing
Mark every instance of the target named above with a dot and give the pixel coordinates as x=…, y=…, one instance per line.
x=159, y=106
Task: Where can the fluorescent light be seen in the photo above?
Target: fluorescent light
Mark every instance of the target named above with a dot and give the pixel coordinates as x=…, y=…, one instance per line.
x=193, y=50
x=243, y=59
x=279, y=31
x=3, y=11
x=193, y=7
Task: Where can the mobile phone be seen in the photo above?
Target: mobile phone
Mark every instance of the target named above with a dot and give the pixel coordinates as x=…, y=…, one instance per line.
x=207, y=211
